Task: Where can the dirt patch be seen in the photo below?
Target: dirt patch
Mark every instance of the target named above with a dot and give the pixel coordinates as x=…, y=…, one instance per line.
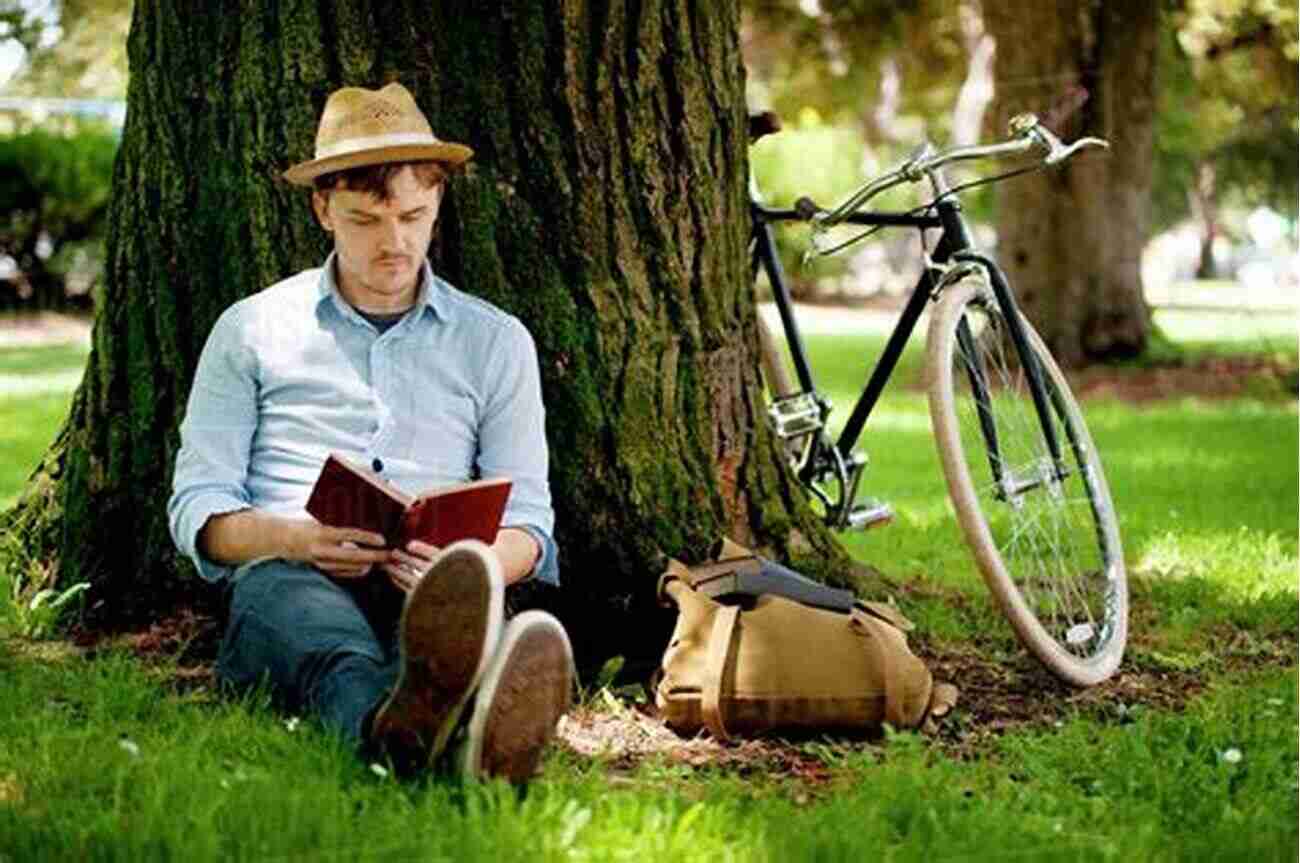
x=1207, y=377
x=624, y=734
x=183, y=644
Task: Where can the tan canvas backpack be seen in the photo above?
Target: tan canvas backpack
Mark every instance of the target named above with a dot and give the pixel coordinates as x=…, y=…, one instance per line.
x=773, y=663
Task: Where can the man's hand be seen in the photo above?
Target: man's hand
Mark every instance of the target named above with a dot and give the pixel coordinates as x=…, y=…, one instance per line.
x=237, y=537
x=337, y=551
x=515, y=548
x=405, y=567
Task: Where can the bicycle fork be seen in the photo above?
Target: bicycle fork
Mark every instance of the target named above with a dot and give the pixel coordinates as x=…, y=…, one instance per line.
x=1009, y=487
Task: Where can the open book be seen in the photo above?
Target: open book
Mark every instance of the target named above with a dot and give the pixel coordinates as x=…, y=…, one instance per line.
x=348, y=495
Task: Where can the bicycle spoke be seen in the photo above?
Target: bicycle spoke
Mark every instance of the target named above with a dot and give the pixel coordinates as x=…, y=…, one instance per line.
x=1044, y=517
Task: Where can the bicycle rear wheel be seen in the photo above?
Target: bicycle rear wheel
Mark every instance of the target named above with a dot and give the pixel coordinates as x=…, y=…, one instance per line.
x=1047, y=546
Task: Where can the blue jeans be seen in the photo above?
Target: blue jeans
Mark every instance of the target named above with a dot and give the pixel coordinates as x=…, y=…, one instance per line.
x=326, y=648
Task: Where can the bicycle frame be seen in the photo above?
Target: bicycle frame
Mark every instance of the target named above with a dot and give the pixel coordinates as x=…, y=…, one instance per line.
x=954, y=248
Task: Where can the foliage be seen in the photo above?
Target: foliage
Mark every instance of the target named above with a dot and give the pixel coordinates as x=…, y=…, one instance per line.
x=833, y=56
x=73, y=48
x=31, y=608
x=1229, y=105
x=18, y=24
x=54, y=192
x=809, y=159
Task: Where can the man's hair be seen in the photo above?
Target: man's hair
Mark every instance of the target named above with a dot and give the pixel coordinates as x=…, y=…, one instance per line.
x=374, y=179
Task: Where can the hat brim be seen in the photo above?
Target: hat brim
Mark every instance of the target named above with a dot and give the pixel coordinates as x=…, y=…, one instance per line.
x=451, y=154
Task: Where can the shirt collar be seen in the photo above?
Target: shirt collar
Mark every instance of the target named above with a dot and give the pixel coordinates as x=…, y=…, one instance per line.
x=432, y=290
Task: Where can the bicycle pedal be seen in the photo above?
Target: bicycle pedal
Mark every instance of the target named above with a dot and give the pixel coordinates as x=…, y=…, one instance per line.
x=864, y=516
x=794, y=416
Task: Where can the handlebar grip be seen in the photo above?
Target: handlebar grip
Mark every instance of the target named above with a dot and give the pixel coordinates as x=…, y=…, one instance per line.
x=806, y=208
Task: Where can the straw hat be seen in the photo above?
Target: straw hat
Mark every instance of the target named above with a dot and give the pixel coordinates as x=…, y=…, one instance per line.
x=370, y=127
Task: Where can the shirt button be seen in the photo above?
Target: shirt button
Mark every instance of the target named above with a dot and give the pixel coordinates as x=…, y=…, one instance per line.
x=377, y=465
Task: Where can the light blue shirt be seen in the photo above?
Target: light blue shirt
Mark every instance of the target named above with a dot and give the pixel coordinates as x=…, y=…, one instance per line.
x=293, y=373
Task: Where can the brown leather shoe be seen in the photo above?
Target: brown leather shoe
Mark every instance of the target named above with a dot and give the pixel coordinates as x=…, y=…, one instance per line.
x=526, y=690
x=450, y=627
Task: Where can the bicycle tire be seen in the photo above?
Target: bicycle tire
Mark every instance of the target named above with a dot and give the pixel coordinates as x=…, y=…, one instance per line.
x=772, y=362
x=1048, y=550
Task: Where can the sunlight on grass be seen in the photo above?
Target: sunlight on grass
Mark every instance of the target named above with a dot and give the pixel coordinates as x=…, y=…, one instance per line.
x=26, y=385
x=1267, y=330
x=1245, y=564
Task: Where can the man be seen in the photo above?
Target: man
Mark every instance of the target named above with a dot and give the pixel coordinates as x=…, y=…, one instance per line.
x=374, y=357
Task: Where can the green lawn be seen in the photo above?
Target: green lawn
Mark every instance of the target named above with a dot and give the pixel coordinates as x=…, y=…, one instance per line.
x=107, y=758
x=35, y=385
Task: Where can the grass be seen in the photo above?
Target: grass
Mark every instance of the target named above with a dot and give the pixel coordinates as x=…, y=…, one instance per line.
x=35, y=384
x=107, y=758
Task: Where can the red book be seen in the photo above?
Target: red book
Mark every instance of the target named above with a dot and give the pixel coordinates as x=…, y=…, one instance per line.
x=347, y=495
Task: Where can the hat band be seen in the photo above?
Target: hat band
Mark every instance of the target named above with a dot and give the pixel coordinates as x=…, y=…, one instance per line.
x=375, y=142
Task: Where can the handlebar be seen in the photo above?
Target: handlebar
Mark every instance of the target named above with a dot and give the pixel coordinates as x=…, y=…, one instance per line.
x=1027, y=134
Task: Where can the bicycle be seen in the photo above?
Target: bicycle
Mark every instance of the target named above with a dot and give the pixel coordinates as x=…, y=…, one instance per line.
x=1022, y=472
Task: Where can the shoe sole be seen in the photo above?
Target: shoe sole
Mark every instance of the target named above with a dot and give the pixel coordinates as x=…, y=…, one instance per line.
x=450, y=626
x=526, y=690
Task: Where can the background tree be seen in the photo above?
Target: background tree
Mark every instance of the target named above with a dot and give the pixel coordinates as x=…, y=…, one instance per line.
x=606, y=207
x=1071, y=240
x=1227, y=128
x=54, y=191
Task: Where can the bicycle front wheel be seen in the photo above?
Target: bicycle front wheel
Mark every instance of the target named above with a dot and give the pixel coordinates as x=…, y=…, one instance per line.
x=1045, y=538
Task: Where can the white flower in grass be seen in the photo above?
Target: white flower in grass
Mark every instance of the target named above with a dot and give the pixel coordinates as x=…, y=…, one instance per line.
x=129, y=747
x=291, y=724
x=379, y=770
x=1230, y=756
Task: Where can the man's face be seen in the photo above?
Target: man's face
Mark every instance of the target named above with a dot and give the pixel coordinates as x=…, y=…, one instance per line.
x=380, y=246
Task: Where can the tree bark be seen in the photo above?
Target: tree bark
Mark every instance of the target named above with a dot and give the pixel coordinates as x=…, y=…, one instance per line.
x=605, y=207
x=1071, y=240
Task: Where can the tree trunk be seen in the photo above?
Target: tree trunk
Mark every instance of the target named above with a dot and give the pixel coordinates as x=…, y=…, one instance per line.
x=1204, y=204
x=1071, y=240
x=605, y=207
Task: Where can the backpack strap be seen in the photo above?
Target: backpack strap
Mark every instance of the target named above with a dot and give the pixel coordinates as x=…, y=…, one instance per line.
x=720, y=641
x=876, y=628
x=751, y=576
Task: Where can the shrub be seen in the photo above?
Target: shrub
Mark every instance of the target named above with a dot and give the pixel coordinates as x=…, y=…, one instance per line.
x=54, y=194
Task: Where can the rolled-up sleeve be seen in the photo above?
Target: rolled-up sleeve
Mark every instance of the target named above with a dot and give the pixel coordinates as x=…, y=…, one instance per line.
x=512, y=440
x=212, y=465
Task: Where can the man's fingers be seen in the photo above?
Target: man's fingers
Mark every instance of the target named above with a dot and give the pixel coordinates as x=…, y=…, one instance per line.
x=357, y=535
x=422, y=549
x=401, y=580
x=410, y=560
x=345, y=571
x=344, y=554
